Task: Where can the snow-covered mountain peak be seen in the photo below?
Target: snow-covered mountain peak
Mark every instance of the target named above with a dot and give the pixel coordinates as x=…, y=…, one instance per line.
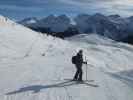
x=63, y=18
x=28, y=21
x=114, y=16
x=4, y=21
x=48, y=18
x=131, y=18
x=82, y=18
x=55, y=23
x=99, y=16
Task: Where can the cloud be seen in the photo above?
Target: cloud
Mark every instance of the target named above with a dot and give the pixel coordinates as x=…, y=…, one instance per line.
x=29, y=2
x=37, y=8
x=70, y=7
x=123, y=7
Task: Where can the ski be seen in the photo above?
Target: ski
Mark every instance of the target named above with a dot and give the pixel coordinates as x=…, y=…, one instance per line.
x=86, y=82
x=78, y=81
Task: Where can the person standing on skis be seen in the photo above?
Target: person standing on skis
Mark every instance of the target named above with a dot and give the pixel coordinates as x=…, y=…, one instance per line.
x=78, y=63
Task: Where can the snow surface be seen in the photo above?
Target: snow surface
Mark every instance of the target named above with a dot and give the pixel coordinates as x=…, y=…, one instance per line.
x=34, y=66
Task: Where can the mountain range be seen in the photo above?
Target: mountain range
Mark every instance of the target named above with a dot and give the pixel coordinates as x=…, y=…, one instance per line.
x=114, y=26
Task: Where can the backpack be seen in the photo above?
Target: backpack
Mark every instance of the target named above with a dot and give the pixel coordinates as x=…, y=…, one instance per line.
x=74, y=59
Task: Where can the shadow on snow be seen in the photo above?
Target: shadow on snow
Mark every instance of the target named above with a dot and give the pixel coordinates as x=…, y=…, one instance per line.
x=38, y=88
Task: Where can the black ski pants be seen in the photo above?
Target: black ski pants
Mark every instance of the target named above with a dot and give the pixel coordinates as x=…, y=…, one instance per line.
x=79, y=73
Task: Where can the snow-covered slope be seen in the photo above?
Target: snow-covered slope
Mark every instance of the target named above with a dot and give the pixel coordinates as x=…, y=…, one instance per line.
x=20, y=40
x=14, y=38
x=34, y=66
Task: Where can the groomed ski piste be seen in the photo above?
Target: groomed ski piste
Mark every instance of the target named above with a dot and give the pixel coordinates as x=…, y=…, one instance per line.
x=34, y=66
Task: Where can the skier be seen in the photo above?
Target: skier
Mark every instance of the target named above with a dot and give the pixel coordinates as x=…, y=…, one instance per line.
x=78, y=63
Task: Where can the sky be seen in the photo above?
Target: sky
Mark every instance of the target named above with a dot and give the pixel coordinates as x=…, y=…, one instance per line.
x=19, y=9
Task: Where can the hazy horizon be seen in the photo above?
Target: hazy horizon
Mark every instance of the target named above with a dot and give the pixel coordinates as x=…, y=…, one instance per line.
x=16, y=9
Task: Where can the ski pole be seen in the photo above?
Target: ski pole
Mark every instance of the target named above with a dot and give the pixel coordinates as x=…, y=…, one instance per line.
x=86, y=69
